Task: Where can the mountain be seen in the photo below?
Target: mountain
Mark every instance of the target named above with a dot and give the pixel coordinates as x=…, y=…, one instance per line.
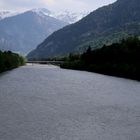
x=42, y=12
x=69, y=17
x=23, y=32
x=105, y=25
x=66, y=16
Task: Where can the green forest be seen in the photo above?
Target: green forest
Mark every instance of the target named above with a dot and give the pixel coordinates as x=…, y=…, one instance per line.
x=119, y=59
x=10, y=60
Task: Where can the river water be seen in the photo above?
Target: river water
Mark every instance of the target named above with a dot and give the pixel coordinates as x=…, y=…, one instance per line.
x=43, y=102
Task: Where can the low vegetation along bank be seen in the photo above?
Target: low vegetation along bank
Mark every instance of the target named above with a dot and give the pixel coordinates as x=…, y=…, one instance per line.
x=9, y=60
x=119, y=59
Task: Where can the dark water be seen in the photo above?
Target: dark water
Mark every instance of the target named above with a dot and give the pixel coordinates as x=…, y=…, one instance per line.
x=48, y=103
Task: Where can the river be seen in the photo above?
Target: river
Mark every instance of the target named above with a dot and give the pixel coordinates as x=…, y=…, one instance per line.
x=42, y=102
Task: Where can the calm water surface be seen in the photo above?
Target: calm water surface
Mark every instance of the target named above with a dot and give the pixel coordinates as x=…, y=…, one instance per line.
x=48, y=103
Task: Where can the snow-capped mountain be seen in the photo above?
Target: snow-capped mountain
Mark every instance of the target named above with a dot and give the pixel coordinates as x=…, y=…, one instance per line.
x=66, y=16
x=105, y=25
x=70, y=17
x=42, y=11
x=23, y=32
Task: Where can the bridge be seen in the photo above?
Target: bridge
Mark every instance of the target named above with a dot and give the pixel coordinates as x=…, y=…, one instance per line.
x=46, y=62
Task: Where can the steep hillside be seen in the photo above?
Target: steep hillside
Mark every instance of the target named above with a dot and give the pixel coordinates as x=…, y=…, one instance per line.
x=103, y=26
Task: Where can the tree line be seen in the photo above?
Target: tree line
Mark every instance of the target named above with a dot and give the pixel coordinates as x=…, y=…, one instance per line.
x=10, y=60
x=119, y=59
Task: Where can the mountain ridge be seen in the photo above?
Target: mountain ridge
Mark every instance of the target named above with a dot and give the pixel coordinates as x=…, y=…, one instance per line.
x=118, y=19
x=21, y=33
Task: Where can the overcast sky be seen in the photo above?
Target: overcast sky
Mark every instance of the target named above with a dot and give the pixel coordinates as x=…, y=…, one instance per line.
x=54, y=5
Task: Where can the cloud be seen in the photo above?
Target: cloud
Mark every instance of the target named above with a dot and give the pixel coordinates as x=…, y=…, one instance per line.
x=73, y=5
x=22, y=4
x=55, y=5
x=48, y=1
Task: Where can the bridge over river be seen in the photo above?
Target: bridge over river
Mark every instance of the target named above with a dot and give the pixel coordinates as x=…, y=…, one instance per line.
x=44, y=102
x=46, y=62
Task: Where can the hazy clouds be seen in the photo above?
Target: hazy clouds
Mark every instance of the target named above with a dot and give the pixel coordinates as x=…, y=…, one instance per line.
x=55, y=5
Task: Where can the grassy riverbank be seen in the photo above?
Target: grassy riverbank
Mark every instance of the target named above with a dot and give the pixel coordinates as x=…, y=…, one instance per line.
x=10, y=60
x=119, y=59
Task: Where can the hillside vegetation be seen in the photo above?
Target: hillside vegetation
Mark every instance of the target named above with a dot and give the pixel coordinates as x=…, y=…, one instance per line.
x=119, y=59
x=9, y=60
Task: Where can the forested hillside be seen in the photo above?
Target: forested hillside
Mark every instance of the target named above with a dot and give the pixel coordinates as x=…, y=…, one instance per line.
x=119, y=59
x=9, y=60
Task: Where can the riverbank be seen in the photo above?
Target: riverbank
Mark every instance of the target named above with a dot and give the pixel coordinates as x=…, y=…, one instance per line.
x=10, y=60
x=119, y=59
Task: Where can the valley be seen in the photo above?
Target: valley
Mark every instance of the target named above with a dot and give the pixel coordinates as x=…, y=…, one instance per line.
x=70, y=73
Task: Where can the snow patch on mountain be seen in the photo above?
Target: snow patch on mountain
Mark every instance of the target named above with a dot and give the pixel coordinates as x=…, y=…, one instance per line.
x=70, y=17
x=5, y=14
x=66, y=16
x=42, y=11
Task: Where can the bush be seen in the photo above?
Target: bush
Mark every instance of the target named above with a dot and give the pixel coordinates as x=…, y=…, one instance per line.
x=9, y=60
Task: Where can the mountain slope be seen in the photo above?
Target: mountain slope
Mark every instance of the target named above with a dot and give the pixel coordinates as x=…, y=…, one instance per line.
x=105, y=25
x=22, y=33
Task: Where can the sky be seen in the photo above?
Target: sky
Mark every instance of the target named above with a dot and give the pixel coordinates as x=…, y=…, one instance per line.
x=54, y=5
